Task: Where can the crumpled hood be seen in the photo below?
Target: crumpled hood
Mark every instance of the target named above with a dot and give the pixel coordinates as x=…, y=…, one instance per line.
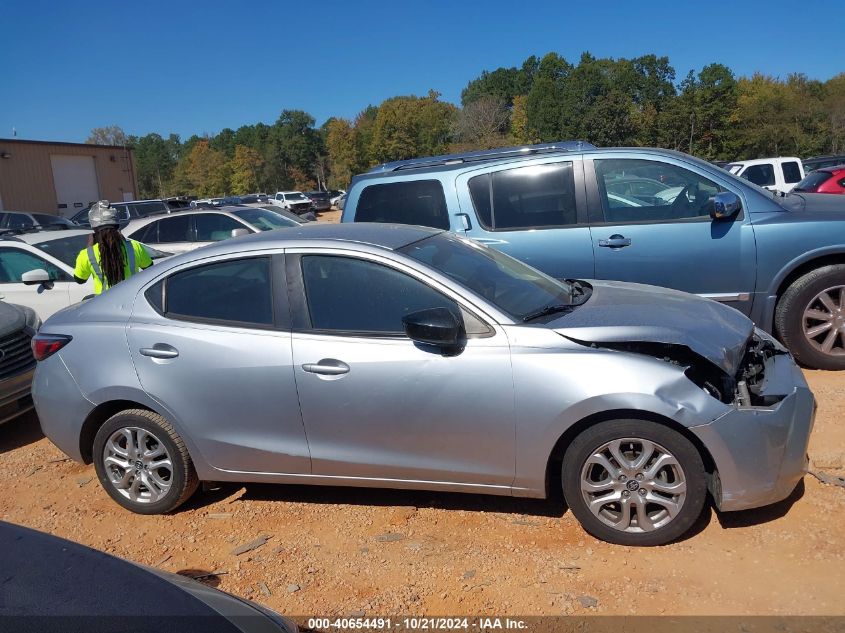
x=619, y=312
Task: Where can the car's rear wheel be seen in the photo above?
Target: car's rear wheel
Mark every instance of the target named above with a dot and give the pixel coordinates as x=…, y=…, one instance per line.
x=634, y=482
x=810, y=318
x=142, y=463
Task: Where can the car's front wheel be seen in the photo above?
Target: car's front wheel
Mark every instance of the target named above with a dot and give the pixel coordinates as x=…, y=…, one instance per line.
x=142, y=462
x=634, y=482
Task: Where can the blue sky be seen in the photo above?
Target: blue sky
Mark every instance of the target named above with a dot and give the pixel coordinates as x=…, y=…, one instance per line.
x=192, y=68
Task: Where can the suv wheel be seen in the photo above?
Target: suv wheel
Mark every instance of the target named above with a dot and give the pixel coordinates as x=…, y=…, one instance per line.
x=634, y=482
x=142, y=462
x=810, y=318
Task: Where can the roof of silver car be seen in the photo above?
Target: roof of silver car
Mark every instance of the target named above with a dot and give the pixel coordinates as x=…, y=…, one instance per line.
x=390, y=236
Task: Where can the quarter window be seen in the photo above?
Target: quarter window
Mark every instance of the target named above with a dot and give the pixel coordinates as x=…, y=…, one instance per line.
x=353, y=295
x=419, y=202
x=652, y=191
x=535, y=196
x=147, y=234
x=762, y=175
x=235, y=291
x=213, y=227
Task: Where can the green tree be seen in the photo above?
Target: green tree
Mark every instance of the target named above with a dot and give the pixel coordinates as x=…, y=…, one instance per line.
x=342, y=147
x=245, y=167
x=203, y=171
x=406, y=127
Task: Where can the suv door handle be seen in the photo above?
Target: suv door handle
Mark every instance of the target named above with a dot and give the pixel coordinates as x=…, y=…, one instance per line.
x=615, y=241
x=327, y=367
x=159, y=350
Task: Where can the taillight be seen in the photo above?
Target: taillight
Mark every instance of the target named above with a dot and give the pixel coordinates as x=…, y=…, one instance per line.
x=45, y=345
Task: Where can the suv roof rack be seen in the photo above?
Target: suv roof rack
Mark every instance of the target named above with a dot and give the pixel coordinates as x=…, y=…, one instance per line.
x=484, y=155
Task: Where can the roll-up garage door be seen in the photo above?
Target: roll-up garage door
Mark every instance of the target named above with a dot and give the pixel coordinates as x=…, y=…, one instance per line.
x=75, y=178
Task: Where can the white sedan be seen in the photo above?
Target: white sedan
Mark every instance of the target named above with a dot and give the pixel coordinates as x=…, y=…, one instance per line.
x=36, y=269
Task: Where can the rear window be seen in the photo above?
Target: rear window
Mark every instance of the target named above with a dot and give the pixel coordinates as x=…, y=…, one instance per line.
x=419, y=202
x=813, y=181
x=64, y=249
x=791, y=172
x=762, y=175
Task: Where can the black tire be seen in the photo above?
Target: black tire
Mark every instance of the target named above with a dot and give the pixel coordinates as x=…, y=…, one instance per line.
x=789, y=316
x=182, y=478
x=594, y=438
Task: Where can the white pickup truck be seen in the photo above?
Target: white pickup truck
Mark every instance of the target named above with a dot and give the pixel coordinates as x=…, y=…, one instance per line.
x=775, y=174
x=295, y=201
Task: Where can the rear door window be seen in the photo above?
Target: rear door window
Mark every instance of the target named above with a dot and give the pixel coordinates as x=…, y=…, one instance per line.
x=535, y=196
x=762, y=175
x=234, y=291
x=419, y=202
x=147, y=234
x=213, y=227
x=177, y=229
x=791, y=172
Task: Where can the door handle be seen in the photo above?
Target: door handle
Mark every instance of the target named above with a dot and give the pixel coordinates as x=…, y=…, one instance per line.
x=159, y=350
x=327, y=367
x=615, y=241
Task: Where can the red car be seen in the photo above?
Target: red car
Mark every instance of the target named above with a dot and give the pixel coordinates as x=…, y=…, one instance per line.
x=826, y=180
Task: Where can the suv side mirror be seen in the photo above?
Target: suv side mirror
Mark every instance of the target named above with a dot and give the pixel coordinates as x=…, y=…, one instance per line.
x=36, y=277
x=725, y=206
x=239, y=232
x=434, y=326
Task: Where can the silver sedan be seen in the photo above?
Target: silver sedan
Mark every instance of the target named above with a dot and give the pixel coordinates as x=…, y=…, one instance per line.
x=405, y=357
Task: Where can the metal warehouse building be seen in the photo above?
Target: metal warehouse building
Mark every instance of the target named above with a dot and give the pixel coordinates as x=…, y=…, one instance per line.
x=62, y=178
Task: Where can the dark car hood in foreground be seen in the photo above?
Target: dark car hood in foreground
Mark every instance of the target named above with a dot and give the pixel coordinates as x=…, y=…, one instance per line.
x=51, y=584
x=12, y=318
x=620, y=312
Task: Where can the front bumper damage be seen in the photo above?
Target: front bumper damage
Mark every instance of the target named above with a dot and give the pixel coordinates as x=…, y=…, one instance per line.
x=760, y=452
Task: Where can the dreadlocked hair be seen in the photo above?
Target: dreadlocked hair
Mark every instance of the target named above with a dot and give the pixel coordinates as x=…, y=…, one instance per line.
x=112, y=254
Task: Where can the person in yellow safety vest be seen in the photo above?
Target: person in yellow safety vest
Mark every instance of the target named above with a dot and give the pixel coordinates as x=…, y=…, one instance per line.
x=110, y=257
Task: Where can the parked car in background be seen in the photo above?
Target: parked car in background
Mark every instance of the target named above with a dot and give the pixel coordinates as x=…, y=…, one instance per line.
x=253, y=198
x=295, y=201
x=774, y=174
x=817, y=162
x=335, y=195
x=376, y=342
x=70, y=587
x=554, y=208
x=179, y=203
x=320, y=200
x=340, y=203
x=299, y=219
x=826, y=180
x=18, y=324
x=185, y=231
x=36, y=269
x=21, y=221
x=128, y=211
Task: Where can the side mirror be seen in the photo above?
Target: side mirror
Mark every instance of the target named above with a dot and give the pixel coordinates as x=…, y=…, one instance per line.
x=239, y=232
x=435, y=326
x=35, y=277
x=725, y=206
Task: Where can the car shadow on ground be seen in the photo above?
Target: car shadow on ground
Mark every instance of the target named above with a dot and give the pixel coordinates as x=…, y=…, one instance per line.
x=757, y=516
x=381, y=497
x=20, y=432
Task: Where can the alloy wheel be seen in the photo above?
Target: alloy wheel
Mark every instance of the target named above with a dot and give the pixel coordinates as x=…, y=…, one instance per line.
x=824, y=321
x=138, y=465
x=633, y=485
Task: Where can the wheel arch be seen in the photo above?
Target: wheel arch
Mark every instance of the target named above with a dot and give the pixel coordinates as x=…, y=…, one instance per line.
x=800, y=269
x=554, y=463
x=97, y=417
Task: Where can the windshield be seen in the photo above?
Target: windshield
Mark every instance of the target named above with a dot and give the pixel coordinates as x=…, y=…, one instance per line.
x=264, y=220
x=295, y=196
x=513, y=287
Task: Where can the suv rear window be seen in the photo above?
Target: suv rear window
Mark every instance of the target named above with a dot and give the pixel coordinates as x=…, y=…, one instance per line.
x=418, y=202
x=791, y=172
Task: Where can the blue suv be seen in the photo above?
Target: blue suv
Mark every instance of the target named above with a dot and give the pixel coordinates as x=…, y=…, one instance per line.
x=643, y=215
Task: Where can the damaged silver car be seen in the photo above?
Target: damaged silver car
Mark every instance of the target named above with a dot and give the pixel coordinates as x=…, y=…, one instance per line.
x=406, y=357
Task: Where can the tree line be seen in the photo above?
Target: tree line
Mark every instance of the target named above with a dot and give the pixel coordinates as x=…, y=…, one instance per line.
x=608, y=102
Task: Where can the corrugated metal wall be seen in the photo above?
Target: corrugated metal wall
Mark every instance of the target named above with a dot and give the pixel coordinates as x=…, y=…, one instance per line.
x=26, y=175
